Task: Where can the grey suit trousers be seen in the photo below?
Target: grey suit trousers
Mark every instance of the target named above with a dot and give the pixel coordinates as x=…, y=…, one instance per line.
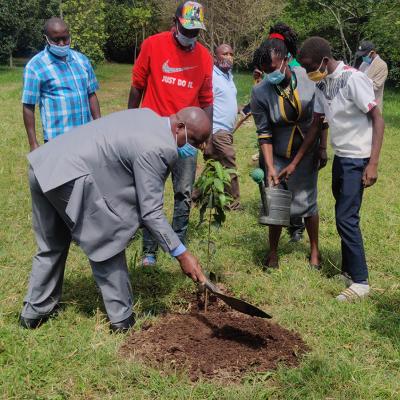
x=52, y=230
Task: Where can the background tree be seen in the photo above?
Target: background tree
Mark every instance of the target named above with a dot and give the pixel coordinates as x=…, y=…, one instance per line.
x=384, y=30
x=125, y=25
x=86, y=20
x=18, y=19
x=118, y=27
x=345, y=24
x=242, y=24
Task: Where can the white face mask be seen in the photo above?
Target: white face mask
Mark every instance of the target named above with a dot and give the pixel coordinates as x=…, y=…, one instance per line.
x=184, y=40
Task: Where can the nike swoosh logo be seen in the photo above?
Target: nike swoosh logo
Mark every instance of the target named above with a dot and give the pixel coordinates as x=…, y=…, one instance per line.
x=170, y=70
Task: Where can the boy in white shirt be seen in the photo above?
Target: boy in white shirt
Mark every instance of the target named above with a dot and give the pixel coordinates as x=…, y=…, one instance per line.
x=346, y=97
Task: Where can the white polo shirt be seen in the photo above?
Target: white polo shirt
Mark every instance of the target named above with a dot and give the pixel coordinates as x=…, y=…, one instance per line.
x=345, y=97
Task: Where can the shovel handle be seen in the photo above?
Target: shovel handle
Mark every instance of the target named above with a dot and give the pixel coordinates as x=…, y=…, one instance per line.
x=210, y=286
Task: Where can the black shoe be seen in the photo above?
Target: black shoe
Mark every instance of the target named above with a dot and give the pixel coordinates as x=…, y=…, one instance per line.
x=33, y=323
x=123, y=326
x=296, y=236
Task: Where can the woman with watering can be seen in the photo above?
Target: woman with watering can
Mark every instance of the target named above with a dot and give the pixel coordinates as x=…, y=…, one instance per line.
x=282, y=107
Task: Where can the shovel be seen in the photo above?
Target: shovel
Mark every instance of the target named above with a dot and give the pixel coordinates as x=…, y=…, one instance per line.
x=236, y=304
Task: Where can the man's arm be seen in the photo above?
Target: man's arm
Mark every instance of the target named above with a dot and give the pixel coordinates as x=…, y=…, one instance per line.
x=135, y=97
x=140, y=73
x=28, y=113
x=370, y=175
x=150, y=171
x=94, y=106
x=308, y=141
x=323, y=144
x=209, y=110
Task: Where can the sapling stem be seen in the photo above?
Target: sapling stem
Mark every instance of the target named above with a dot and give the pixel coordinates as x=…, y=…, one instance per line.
x=208, y=257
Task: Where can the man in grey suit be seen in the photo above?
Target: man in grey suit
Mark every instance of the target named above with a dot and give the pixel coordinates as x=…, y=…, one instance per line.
x=97, y=186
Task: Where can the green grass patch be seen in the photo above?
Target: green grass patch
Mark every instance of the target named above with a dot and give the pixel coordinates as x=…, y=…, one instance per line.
x=355, y=348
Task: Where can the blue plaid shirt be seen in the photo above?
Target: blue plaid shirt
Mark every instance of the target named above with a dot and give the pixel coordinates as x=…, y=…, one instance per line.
x=61, y=88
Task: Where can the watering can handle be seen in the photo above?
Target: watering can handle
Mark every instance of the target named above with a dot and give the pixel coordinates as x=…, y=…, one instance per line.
x=281, y=182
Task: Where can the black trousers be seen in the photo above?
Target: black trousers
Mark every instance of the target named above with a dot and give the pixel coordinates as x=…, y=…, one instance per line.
x=347, y=188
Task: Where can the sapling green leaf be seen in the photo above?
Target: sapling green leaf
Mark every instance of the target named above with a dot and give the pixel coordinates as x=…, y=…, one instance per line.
x=213, y=198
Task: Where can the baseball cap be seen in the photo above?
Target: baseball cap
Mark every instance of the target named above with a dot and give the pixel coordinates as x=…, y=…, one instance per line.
x=191, y=15
x=364, y=48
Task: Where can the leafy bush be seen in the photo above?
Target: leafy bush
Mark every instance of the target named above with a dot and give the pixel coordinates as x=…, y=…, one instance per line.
x=87, y=27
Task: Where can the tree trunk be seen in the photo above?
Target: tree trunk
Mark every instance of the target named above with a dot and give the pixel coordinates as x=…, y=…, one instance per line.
x=11, y=62
x=135, y=55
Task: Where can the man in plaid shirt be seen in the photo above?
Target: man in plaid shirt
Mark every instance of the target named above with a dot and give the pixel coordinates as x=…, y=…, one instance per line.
x=63, y=82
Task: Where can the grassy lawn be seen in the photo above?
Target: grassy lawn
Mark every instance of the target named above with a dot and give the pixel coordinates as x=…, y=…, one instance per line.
x=355, y=348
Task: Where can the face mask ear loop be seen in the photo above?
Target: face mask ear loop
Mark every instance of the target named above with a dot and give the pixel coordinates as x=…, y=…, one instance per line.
x=186, y=135
x=320, y=65
x=280, y=67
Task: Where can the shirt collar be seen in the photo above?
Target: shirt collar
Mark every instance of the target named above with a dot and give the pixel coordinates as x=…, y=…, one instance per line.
x=377, y=56
x=227, y=76
x=336, y=72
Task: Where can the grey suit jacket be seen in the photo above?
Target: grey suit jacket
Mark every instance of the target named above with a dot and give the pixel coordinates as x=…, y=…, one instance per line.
x=119, y=164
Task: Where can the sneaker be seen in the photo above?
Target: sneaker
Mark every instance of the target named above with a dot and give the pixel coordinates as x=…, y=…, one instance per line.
x=149, y=260
x=354, y=292
x=345, y=278
x=235, y=206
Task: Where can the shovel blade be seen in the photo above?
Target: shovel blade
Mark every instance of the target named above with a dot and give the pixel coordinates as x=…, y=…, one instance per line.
x=243, y=307
x=236, y=304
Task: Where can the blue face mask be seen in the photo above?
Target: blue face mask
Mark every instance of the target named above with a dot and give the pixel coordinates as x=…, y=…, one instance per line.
x=184, y=40
x=187, y=150
x=59, y=51
x=367, y=59
x=277, y=76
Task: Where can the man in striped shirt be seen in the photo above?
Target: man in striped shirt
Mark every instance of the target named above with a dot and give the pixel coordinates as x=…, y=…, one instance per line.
x=63, y=82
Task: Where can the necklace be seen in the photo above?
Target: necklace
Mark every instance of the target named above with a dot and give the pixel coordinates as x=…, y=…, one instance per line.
x=287, y=92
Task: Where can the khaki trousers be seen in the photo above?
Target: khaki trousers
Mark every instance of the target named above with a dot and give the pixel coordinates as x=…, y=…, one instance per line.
x=220, y=148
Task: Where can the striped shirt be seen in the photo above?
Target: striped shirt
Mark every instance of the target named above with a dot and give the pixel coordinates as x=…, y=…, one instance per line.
x=61, y=88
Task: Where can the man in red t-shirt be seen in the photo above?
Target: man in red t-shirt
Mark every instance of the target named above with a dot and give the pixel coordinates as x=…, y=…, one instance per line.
x=174, y=71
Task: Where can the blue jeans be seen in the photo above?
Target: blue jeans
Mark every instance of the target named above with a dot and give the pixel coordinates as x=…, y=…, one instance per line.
x=347, y=188
x=183, y=174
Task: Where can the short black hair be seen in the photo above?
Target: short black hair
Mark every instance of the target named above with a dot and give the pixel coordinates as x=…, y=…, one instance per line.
x=315, y=48
x=276, y=46
x=52, y=21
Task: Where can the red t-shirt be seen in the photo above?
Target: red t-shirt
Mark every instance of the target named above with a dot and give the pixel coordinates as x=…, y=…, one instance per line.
x=171, y=77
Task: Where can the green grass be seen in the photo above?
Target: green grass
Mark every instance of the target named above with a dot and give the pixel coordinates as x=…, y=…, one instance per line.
x=355, y=348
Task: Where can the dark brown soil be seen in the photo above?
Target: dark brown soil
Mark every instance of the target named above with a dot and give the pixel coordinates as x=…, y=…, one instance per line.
x=219, y=344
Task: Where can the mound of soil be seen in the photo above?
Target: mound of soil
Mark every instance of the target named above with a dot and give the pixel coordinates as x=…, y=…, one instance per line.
x=219, y=343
